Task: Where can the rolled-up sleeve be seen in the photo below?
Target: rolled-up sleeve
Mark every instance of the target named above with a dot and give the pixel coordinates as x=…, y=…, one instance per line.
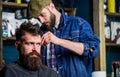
x=90, y=41
x=91, y=50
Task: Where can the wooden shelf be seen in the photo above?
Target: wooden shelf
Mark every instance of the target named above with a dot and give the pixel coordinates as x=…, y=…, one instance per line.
x=69, y=11
x=112, y=14
x=112, y=44
x=98, y=27
x=14, y=5
x=8, y=38
x=0, y=35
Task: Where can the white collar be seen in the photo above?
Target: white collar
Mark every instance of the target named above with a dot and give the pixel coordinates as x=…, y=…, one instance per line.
x=57, y=24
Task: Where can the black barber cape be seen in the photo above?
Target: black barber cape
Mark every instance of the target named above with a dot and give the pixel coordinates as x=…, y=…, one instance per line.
x=15, y=70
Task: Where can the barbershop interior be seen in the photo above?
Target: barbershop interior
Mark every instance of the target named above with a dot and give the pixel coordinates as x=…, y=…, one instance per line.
x=102, y=15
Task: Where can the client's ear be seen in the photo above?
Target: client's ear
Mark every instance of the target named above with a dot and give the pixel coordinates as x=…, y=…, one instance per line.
x=17, y=45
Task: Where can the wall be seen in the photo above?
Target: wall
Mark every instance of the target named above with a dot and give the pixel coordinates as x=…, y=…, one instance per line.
x=10, y=53
x=84, y=7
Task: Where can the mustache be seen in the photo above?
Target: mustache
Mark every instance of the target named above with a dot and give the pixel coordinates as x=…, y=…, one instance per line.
x=34, y=53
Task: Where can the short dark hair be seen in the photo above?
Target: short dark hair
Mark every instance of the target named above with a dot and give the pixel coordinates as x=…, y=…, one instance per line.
x=27, y=26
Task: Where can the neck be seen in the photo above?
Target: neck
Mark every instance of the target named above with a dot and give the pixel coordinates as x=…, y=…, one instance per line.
x=58, y=15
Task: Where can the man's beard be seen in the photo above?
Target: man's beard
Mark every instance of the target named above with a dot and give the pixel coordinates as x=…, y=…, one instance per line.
x=52, y=23
x=31, y=61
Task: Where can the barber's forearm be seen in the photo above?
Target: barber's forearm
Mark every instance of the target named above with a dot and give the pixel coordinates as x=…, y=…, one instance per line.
x=73, y=46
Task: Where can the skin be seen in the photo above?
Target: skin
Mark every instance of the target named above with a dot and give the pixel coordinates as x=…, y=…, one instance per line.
x=49, y=37
x=31, y=43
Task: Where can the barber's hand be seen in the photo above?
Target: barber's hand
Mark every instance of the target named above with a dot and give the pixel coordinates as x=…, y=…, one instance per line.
x=49, y=37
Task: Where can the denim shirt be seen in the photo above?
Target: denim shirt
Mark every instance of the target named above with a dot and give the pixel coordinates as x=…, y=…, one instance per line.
x=70, y=64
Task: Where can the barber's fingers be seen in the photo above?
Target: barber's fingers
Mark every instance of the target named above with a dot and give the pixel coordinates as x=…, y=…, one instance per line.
x=46, y=38
x=44, y=42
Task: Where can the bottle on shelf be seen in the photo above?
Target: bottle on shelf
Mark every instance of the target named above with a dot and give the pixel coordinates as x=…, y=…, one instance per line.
x=18, y=1
x=111, y=6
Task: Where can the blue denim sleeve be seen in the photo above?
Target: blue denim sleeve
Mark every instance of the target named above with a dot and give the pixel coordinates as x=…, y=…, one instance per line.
x=90, y=40
x=88, y=52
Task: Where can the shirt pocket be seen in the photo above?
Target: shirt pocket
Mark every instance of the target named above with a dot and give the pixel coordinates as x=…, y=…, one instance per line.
x=72, y=36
